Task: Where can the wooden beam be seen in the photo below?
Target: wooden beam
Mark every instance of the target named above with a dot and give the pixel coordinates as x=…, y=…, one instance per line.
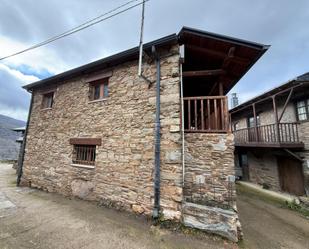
x=220, y=88
x=228, y=58
x=276, y=118
x=294, y=155
x=213, y=88
x=85, y=141
x=203, y=73
x=255, y=123
x=285, y=104
x=218, y=54
x=267, y=97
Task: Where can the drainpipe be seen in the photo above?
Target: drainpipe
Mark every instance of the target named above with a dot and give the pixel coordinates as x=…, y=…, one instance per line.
x=182, y=126
x=22, y=151
x=156, y=207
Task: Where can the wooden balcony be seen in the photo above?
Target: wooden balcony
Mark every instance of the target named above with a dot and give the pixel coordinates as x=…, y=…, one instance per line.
x=281, y=135
x=206, y=114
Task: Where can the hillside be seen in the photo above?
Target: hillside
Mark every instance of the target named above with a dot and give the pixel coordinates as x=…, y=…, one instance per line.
x=8, y=147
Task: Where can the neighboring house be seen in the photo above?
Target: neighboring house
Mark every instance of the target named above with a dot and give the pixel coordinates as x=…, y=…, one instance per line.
x=272, y=137
x=21, y=132
x=19, y=140
x=9, y=149
x=101, y=132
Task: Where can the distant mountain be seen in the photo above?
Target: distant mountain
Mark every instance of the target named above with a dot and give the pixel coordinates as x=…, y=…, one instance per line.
x=8, y=146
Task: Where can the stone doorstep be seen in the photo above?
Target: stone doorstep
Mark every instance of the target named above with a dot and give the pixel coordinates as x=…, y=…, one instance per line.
x=212, y=219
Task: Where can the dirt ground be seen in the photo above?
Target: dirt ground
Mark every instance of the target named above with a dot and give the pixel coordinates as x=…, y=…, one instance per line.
x=267, y=224
x=35, y=219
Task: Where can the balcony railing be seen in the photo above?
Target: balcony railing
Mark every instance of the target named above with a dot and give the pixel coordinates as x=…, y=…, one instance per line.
x=206, y=114
x=272, y=135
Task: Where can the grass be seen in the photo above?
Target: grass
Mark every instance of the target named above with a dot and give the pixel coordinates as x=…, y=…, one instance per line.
x=7, y=161
x=272, y=200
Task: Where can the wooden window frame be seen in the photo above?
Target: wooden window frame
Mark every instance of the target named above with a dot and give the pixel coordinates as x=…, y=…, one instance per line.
x=258, y=118
x=235, y=124
x=306, y=100
x=84, y=151
x=45, y=103
x=103, y=89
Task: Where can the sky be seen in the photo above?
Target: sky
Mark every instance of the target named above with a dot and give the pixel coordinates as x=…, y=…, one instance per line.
x=283, y=24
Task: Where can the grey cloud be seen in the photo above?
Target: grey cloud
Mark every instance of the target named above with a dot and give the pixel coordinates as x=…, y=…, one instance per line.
x=12, y=96
x=280, y=23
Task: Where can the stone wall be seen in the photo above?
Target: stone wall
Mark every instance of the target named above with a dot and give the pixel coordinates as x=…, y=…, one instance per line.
x=209, y=160
x=124, y=168
x=304, y=137
x=209, y=188
x=263, y=169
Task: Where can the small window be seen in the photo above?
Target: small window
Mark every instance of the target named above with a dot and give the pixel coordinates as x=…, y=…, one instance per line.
x=48, y=100
x=250, y=121
x=84, y=154
x=98, y=89
x=302, y=110
x=235, y=126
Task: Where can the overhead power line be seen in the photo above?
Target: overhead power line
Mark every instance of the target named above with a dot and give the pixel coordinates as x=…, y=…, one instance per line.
x=82, y=26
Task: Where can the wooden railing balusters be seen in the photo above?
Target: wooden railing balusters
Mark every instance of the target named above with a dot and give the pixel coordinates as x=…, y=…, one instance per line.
x=268, y=134
x=202, y=114
x=212, y=119
x=195, y=114
x=208, y=114
x=189, y=114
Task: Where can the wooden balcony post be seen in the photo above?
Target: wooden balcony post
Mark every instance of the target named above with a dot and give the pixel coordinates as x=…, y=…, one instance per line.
x=276, y=118
x=255, y=123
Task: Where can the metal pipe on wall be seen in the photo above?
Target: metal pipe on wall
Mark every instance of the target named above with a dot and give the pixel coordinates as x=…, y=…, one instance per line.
x=182, y=126
x=156, y=208
x=21, y=162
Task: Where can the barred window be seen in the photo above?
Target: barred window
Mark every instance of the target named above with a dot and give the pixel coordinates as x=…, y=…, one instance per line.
x=302, y=110
x=84, y=154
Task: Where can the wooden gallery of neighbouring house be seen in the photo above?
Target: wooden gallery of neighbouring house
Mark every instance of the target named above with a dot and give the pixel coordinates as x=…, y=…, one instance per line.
x=93, y=133
x=271, y=138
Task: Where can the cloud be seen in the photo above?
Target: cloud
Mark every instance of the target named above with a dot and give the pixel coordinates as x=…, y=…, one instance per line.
x=14, y=101
x=280, y=23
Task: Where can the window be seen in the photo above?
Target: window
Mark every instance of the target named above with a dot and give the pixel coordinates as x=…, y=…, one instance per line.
x=250, y=121
x=48, y=100
x=302, y=108
x=235, y=126
x=98, y=89
x=84, y=154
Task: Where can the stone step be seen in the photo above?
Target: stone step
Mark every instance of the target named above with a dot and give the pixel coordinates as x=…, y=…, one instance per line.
x=212, y=219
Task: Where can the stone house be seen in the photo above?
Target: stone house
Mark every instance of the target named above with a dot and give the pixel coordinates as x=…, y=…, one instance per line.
x=272, y=137
x=155, y=144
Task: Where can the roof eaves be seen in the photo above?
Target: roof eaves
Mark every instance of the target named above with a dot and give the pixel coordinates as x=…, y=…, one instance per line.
x=113, y=58
x=299, y=79
x=223, y=38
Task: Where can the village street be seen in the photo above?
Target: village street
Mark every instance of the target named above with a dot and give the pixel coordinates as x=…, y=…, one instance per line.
x=268, y=225
x=35, y=219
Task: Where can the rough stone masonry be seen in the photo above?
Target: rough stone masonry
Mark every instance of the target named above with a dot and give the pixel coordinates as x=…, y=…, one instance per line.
x=124, y=167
